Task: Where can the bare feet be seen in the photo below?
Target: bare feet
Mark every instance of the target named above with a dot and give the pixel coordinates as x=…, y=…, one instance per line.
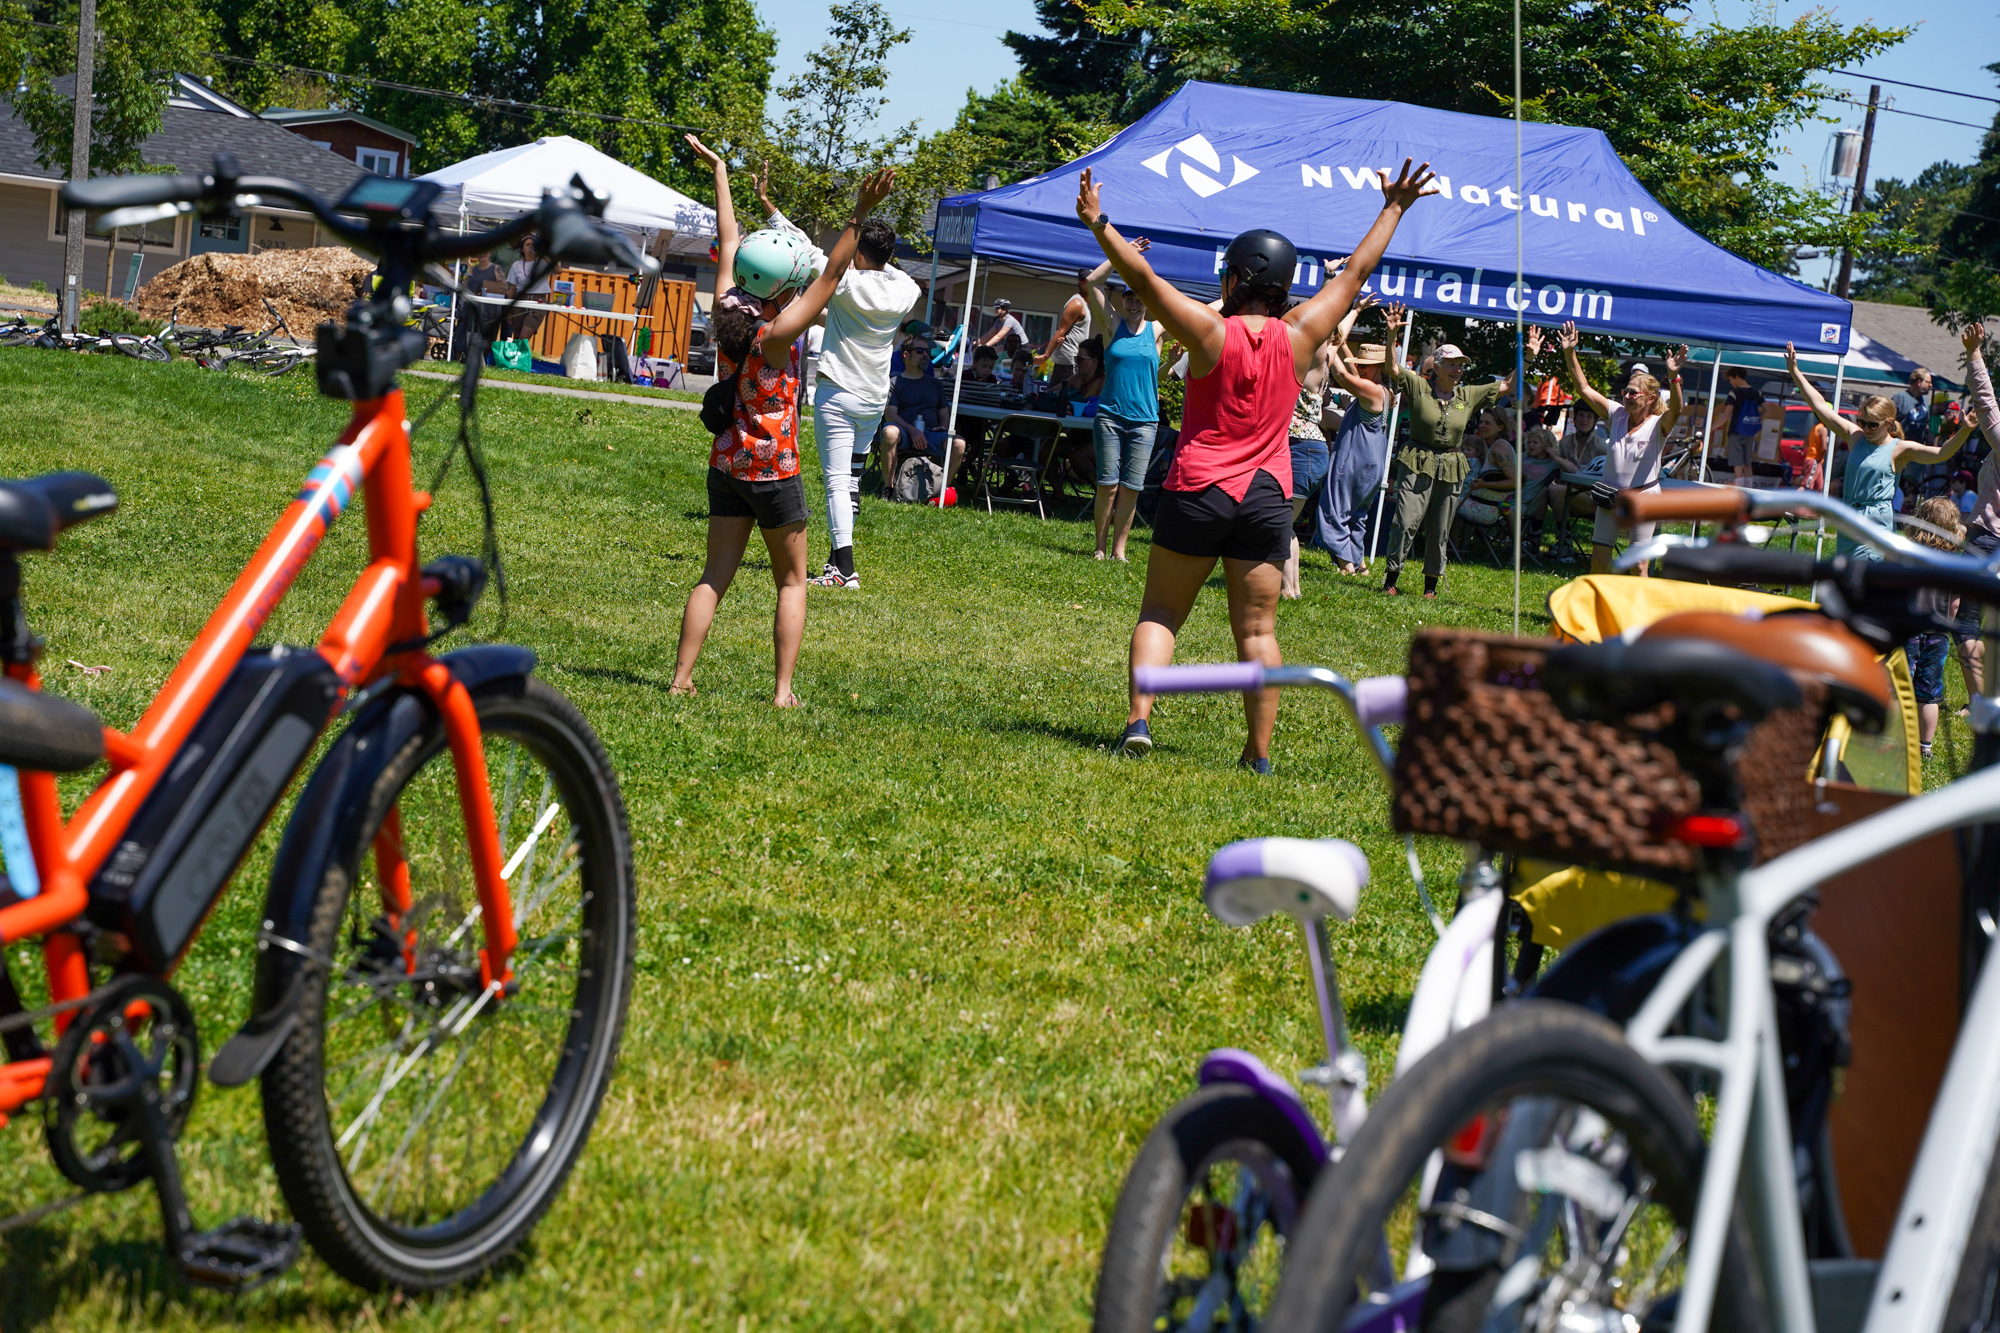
x=682, y=689
x=790, y=700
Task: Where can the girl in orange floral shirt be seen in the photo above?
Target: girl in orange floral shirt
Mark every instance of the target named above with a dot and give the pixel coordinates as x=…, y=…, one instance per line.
x=766, y=295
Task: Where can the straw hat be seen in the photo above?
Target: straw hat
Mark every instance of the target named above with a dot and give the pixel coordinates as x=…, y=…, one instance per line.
x=1368, y=354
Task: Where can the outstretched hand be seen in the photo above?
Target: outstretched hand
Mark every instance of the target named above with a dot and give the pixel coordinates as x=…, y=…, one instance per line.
x=873, y=191
x=764, y=187
x=1395, y=314
x=1791, y=358
x=704, y=152
x=1972, y=336
x=1534, y=341
x=1407, y=188
x=1088, y=201
x=1140, y=243
x=1568, y=337
x=1676, y=359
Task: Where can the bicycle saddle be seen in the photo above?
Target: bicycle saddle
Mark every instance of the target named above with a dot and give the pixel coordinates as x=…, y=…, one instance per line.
x=44, y=733
x=35, y=510
x=1306, y=879
x=1607, y=682
x=1807, y=642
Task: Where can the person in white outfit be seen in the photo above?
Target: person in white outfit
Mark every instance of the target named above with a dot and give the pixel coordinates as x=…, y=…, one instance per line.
x=862, y=319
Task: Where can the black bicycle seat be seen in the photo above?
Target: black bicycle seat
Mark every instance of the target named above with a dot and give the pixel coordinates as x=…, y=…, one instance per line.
x=46, y=734
x=34, y=511
x=1608, y=682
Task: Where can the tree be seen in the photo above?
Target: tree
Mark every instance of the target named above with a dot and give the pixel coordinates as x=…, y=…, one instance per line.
x=825, y=142
x=1691, y=107
x=1030, y=131
x=1968, y=286
x=1093, y=74
x=629, y=74
x=141, y=45
x=1898, y=262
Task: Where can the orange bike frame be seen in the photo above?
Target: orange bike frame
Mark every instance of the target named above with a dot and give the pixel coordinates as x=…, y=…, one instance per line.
x=384, y=608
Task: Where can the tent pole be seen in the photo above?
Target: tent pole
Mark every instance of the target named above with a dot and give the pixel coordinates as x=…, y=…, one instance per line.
x=1395, y=414
x=958, y=366
x=1826, y=473
x=1520, y=325
x=1708, y=418
x=930, y=292
x=451, y=328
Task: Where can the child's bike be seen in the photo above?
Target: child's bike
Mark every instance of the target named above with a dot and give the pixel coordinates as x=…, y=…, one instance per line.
x=445, y=957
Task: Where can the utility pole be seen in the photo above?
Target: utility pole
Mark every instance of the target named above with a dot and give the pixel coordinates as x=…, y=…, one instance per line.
x=79, y=162
x=1858, y=202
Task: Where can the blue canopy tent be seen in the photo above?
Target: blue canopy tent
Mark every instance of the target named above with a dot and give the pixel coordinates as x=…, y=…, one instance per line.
x=1213, y=161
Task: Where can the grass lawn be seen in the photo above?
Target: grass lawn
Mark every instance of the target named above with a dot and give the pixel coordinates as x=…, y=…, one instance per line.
x=919, y=963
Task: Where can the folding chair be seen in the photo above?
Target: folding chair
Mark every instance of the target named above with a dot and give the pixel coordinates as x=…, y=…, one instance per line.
x=1039, y=433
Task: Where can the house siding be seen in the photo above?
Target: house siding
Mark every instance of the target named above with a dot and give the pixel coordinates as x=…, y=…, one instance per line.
x=344, y=139
x=27, y=255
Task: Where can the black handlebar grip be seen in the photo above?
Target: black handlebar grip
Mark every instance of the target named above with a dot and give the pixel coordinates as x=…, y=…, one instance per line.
x=132, y=191
x=1741, y=564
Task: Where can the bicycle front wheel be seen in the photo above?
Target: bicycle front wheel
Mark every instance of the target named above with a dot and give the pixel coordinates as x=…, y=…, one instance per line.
x=419, y=1124
x=144, y=349
x=1597, y=1160
x=1198, y=1238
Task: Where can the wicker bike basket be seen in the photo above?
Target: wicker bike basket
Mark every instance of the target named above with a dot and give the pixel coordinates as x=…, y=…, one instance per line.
x=1486, y=756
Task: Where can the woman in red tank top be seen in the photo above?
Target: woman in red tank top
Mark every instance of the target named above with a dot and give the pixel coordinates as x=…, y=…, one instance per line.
x=1229, y=492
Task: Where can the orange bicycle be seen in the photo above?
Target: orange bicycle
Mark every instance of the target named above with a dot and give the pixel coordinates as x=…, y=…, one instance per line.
x=446, y=951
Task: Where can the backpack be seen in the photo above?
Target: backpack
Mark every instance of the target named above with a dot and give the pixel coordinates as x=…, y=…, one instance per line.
x=1749, y=416
x=718, y=405
x=918, y=480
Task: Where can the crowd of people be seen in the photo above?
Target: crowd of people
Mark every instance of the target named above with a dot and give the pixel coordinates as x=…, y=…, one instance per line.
x=1260, y=436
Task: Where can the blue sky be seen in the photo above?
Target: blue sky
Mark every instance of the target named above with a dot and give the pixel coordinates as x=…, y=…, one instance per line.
x=953, y=47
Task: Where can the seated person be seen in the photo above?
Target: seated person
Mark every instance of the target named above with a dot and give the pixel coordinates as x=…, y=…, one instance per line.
x=983, y=362
x=913, y=421
x=1020, y=368
x=1086, y=383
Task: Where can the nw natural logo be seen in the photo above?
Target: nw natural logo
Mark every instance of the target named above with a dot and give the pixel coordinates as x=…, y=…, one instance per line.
x=1203, y=152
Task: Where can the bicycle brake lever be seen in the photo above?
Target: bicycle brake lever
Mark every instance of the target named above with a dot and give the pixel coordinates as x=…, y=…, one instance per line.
x=1639, y=553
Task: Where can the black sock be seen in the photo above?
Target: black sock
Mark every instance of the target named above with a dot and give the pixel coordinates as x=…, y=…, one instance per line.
x=843, y=560
x=1430, y=583
x=1390, y=581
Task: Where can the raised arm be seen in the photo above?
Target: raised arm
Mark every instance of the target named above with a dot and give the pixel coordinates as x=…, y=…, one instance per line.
x=1313, y=321
x=1374, y=396
x=1907, y=450
x=1585, y=394
x=1672, y=414
x=1193, y=325
x=1095, y=296
x=1534, y=352
x=726, y=236
x=1979, y=384
x=1838, y=426
x=794, y=319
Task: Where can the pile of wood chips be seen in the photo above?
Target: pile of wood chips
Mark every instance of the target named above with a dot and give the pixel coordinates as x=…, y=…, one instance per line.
x=306, y=286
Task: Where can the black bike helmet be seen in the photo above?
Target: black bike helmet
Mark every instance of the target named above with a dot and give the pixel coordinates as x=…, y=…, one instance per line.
x=1262, y=258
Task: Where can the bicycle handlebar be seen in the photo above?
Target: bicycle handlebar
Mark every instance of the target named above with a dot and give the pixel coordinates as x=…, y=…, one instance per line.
x=1374, y=702
x=133, y=191
x=1717, y=504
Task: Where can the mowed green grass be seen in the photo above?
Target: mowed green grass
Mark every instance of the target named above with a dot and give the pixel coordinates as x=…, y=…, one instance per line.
x=919, y=963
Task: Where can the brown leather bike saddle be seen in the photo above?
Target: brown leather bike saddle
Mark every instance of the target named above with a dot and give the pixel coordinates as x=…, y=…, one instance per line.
x=1805, y=641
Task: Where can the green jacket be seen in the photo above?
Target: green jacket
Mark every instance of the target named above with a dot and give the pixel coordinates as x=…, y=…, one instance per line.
x=1437, y=429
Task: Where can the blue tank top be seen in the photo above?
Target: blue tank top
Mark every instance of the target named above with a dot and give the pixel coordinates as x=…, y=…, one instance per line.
x=1131, y=374
x=1871, y=474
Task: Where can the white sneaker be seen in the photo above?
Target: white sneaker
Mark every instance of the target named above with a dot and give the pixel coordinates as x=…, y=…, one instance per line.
x=833, y=578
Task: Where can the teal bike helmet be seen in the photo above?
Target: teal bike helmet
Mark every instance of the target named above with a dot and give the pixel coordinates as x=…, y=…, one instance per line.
x=771, y=261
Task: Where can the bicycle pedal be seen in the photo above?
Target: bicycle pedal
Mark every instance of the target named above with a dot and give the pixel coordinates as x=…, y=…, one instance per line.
x=242, y=1253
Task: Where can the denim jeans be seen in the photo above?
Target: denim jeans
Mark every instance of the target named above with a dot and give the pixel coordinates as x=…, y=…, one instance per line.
x=1123, y=450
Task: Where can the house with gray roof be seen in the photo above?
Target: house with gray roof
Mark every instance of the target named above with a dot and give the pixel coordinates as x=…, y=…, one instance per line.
x=197, y=123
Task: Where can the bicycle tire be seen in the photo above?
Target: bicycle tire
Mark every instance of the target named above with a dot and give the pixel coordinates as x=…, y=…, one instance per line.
x=354, y=1208
x=1535, y=1048
x=144, y=349
x=1224, y=1124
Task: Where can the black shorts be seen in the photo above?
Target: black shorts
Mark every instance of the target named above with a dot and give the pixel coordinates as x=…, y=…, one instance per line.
x=1207, y=524
x=774, y=504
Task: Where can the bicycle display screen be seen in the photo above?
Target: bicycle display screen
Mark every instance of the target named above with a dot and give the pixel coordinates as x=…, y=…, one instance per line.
x=389, y=196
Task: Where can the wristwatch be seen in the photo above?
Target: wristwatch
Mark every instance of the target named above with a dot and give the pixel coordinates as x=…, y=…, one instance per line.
x=1103, y=220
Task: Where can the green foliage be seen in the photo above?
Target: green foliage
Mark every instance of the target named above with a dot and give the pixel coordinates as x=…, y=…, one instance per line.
x=1095, y=74
x=102, y=316
x=1969, y=289
x=1898, y=263
x=1692, y=107
x=38, y=286
x=659, y=64
x=825, y=139
x=1031, y=130
x=141, y=45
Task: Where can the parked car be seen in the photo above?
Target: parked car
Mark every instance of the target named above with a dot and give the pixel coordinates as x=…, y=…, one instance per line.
x=701, y=345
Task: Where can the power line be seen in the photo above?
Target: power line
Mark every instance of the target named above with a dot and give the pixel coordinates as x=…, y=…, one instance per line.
x=1896, y=110
x=1920, y=87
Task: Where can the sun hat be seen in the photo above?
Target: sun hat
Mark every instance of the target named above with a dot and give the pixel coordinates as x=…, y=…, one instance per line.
x=1368, y=354
x=1450, y=352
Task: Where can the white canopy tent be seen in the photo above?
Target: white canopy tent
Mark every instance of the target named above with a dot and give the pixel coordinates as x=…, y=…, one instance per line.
x=509, y=182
